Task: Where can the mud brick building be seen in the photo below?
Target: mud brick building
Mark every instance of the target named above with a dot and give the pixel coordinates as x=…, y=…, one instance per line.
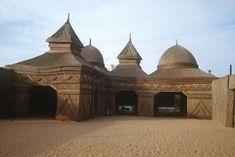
x=70, y=81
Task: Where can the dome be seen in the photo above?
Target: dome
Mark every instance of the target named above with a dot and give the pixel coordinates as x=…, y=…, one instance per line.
x=92, y=55
x=177, y=57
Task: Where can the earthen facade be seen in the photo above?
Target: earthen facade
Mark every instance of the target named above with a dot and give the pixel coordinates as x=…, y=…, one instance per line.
x=84, y=88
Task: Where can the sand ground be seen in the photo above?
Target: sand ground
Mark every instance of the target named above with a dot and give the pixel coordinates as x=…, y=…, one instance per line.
x=124, y=136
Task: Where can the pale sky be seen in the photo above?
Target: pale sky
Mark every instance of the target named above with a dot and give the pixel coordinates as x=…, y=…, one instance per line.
x=205, y=27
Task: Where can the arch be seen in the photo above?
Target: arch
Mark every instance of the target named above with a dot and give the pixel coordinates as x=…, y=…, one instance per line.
x=126, y=103
x=42, y=101
x=170, y=104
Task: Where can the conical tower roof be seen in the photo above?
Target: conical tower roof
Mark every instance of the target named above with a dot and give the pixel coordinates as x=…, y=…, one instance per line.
x=65, y=34
x=129, y=52
x=129, y=62
x=65, y=48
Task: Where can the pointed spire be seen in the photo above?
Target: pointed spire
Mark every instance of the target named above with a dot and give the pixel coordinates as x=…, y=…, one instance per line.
x=230, y=69
x=90, y=42
x=65, y=34
x=63, y=37
x=176, y=42
x=68, y=18
x=130, y=37
x=129, y=52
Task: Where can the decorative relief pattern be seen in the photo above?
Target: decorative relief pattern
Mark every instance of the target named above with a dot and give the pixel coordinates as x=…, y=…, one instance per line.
x=86, y=79
x=200, y=109
x=91, y=79
x=50, y=79
x=165, y=86
x=180, y=87
x=67, y=106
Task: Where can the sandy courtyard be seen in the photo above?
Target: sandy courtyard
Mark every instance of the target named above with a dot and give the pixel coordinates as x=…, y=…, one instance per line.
x=116, y=136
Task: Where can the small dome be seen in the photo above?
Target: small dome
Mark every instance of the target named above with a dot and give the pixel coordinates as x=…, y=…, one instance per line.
x=92, y=55
x=177, y=57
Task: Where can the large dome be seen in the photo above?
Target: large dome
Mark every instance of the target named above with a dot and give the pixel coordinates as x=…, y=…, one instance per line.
x=177, y=57
x=92, y=55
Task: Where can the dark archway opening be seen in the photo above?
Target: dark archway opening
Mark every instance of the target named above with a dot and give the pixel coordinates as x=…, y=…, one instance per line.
x=126, y=103
x=42, y=101
x=170, y=104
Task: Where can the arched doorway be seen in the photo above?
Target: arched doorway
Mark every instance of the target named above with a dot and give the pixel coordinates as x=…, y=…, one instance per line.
x=170, y=104
x=42, y=101
x=127, y=103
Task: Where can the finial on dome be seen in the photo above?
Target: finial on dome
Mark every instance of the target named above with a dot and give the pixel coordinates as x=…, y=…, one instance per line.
x=230, y=69
x=90, y=42
x=68, y=17
x=130, y=37
x=176, y=42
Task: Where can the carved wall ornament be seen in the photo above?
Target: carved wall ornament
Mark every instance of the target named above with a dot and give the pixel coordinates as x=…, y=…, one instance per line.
x=201, y=110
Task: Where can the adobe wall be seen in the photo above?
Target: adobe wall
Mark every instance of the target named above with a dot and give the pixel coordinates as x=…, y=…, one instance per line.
x=146, y=103
x=199, y=104
x=65, y=85
x=82, y=93
x=95, y=96
x=223, y=100
x=199, y=99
